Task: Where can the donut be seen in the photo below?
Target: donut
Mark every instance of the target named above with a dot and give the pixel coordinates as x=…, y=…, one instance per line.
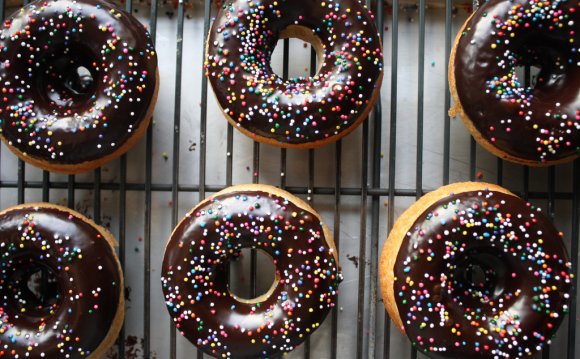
x=61, y=284
x=302, y=112
x=196, y=288
x=536, y=125
x=471, y=270
x=78, y=81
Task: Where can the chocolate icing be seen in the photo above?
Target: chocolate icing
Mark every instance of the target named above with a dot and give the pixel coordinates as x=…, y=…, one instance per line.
x=535, y=124
x=300, y=110
x=85, y=291
x=51, y=113
x=469, y=276
x=196, y=288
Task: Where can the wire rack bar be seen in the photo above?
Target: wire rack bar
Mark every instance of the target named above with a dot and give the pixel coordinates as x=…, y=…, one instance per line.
x=336, y=215
x=362, y=249
x=148, y=212
x=447, y=105
x=301, y=190
x=122, y=236
x=45, y=188
x=375, y=205
x=175, y=156
x=420, y=112
x=20, y=183
x=572, y=321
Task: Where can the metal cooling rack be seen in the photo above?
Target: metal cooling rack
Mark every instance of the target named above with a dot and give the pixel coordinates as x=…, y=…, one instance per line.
x=360, y=185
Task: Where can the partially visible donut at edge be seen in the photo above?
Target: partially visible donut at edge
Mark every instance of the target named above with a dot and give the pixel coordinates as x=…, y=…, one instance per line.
x=471, y=270
x=536, y=123
x=302, y=112
x=79, y=83
x=61, y=284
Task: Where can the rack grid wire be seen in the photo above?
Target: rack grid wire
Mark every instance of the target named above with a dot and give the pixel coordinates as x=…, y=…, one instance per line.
x=375, y=190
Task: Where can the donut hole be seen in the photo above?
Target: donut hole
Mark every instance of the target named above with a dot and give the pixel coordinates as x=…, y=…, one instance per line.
x=301, y=43
x=538, y=66
x=43, y=285
x=478, y=276
x=527, y=75
x=240, y=284
x=33, y=288
x=67, y=78
x=79, y=80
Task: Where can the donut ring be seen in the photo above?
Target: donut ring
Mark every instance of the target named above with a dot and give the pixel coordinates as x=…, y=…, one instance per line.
x=78, y=81
x=535, y=126
x=302, y=112
x=471, y=270
x=196, y=288
x=78, y=308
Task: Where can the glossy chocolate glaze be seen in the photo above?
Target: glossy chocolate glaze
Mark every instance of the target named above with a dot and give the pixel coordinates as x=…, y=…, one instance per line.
x=83, y=299
x=48, y=110
x=196, y=288
x=536, y=124
x=300, y=110
x=469, y=276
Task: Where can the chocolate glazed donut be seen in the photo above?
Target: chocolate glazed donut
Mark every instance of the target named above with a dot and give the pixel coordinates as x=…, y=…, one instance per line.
x=300, y=112
x=78, y=82
x=61, y=285
x=533, y=125
x=471, y=270
x=196, y=288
